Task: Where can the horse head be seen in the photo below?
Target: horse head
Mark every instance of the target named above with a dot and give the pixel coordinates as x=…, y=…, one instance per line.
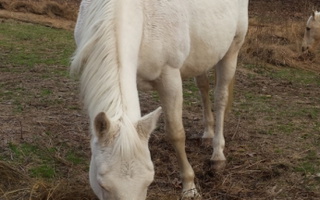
x=312, y=32
x=121, y=166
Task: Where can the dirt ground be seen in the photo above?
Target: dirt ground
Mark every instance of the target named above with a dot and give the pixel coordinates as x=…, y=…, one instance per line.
x=261, y=162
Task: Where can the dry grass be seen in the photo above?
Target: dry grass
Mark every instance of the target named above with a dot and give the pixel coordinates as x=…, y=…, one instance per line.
x=278, y=44
x=51, y=8
x=29, y=188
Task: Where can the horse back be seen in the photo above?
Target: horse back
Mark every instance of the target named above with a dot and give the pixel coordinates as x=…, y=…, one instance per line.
x=215, y=28
x=189, y=34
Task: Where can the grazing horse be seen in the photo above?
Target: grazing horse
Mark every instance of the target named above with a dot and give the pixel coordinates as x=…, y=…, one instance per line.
x=123, y=45
x=311, y=38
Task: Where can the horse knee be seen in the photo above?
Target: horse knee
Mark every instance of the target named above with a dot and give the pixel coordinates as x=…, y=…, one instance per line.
x=221, y=98
x=176, y=136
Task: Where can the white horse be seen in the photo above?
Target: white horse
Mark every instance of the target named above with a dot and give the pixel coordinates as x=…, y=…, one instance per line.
x=311, y=38
x=125, y=43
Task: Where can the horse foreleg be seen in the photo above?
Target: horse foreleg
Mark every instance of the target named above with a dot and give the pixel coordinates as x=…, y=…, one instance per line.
x=169, y=87
x=202, y=82
x=225, y=70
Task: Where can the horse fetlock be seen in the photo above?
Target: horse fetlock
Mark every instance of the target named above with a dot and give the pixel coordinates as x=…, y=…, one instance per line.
x=208, y=132
x=218, y=154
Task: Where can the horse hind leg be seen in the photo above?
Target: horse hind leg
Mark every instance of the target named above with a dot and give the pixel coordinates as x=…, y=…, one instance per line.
x=169, y=87
x=202, y=82
x=225, y=71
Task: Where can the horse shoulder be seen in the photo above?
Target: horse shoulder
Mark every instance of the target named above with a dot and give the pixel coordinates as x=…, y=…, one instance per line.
x=165, y=39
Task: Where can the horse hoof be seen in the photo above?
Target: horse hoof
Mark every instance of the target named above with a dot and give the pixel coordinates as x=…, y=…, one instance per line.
x=192, y=198
x=191, y=195
x=218, y=165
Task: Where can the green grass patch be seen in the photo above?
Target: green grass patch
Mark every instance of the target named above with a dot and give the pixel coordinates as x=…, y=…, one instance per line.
x=310, y=164
x=296, y=76
x=28, y=44
x=75, y=158
x=293, y=75
x=39, y=159
x=43, y=171
x=46, y=92
x=308, y=167
x=22, y=151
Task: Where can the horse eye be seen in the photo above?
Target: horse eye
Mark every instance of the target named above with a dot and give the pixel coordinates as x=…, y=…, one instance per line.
x=308, y=29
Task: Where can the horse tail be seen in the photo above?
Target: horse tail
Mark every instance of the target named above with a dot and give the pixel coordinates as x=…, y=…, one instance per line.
x=107, y=54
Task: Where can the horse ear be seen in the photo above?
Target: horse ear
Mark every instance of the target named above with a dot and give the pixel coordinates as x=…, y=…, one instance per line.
x=101, y=125
x=148, y=123
x=314, y=12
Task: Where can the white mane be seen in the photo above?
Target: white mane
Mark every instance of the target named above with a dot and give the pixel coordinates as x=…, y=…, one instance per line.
x=96, y=61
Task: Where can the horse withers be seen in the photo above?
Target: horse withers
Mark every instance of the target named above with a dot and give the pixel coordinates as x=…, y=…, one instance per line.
x=123, y=45
x=311, y=38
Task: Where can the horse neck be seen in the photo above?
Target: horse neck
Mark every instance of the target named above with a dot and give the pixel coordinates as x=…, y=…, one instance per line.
x=129, y=25
x=129, y=92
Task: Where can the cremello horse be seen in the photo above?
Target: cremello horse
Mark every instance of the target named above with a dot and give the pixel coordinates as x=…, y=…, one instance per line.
x=125, y=43
x=311, y=38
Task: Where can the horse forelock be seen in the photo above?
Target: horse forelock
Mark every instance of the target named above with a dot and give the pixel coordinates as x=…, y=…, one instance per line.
x=128, y=144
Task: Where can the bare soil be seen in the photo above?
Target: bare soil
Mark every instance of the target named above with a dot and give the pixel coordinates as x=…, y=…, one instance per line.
x=261, y=162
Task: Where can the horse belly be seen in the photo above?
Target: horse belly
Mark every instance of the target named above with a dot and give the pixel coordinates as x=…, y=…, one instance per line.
x=201, y=60
x=203, y=57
